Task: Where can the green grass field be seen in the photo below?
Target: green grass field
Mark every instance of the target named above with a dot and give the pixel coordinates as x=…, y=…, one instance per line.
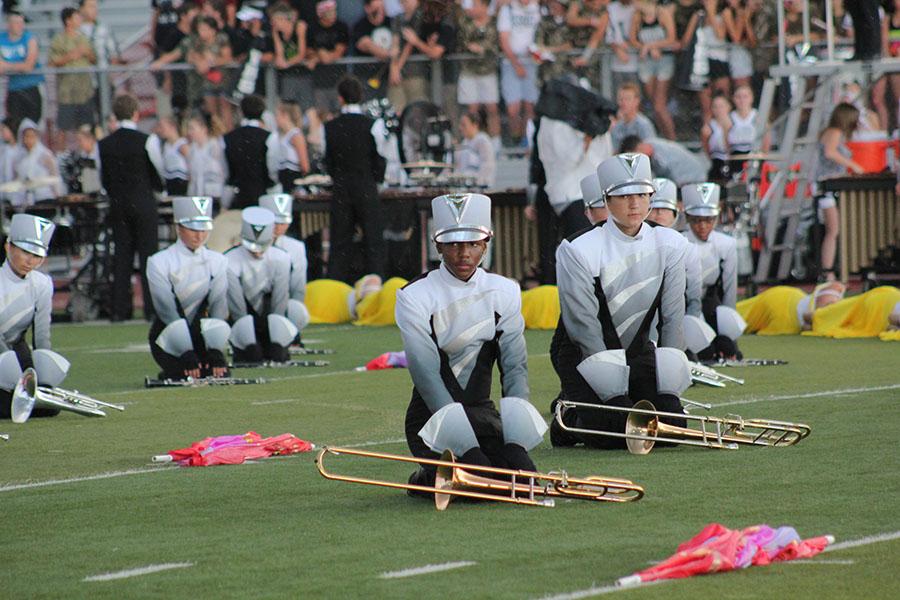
x=275, y=528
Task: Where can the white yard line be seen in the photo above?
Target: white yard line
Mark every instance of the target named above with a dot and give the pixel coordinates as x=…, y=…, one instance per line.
x=843, y=392
x=282, y=401
x=610, y=589
x=412, y=572
x=138, y=571
x=871, y=539
x=36, y=484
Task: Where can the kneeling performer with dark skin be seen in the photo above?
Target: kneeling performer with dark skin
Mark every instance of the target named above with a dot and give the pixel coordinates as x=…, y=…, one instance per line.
x=258, y=286
x=717, y=254
x=25, y=301
x=614, y=280
x=189, y=287
x=456, y=322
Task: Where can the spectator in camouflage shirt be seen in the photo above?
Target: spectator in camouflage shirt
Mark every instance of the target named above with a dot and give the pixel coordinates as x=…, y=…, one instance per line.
x=554, y=42
x=587, y=19
x=478, y=84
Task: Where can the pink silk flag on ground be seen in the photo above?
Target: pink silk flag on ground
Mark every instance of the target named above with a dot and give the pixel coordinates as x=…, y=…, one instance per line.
x=717, y=549
x=235, y=449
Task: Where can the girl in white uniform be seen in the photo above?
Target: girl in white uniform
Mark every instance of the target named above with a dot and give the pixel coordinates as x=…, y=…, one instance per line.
x=206, y=158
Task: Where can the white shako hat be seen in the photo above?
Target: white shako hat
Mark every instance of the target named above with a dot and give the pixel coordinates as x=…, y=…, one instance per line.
x=193, y=212
x=591, y=192
x=461, y=218
x=280, y=204
x=31, y=234
x=701, y=199
x=257, y=228
x=666, y=195
x=624, y=174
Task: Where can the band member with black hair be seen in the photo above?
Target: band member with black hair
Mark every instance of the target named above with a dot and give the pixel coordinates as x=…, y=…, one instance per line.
x=356, y=168
x=258, y=287
x=130, y=172
x=189, y=286
x=281, y=206
x=615, y=280
x=26, y=299
x=247, y=154
x=456, y=322
x=717, y=253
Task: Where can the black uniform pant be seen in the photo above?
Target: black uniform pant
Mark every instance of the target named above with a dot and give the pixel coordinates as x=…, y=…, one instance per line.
x=721, y=346
x=485, y=421
x=173, y=367
x=552, y=228
x=23, y=353
x=866, y=27
x=134, y=230
x=355, y=204
x=641, y=386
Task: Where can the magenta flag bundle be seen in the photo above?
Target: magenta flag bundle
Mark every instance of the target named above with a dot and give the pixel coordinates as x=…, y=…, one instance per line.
x=717, y=549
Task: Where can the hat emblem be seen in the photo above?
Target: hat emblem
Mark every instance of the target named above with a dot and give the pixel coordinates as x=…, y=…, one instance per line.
x=281, y=203
x=201, y=204
x=40, y=226
x=630, y=161
x=257, y=230
x=457, y=204
x=706, y=191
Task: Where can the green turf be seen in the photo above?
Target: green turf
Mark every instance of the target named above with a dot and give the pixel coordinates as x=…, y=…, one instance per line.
x=276, y=528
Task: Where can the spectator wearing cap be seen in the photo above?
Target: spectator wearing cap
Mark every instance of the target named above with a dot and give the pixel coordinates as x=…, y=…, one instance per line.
x=258, y=292
x=327, y=40
x=356, y=168
x=253, y=46
x=19, y=60
x=26, y=297
x=189, y=287
x=130, y=172
x=371, y=37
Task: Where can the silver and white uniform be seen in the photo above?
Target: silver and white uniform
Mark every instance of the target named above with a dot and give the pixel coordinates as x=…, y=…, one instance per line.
x=718, y=266
x=180, y=278
x=296, y=250
x=693, y=282
x=632, y=275
x=446, y=325
x=24, y=303
x=252, y=281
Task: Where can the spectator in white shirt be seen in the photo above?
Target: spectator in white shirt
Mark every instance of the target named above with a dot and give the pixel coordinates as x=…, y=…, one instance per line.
x=517, y=23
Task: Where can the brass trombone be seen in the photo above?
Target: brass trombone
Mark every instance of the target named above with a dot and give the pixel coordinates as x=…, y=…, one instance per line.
x=643, y=428
x=28, y=394
x=524, y=487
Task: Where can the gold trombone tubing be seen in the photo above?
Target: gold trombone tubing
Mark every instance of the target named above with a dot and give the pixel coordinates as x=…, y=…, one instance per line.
x=524, y=487
x=643, y=428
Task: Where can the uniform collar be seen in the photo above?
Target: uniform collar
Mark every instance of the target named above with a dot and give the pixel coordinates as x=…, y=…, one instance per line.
x=128, y=124
x=251, y=123
x=10, y=274
x=351, y=109
x=454, y=281
x=185, y=250
x=620, y=235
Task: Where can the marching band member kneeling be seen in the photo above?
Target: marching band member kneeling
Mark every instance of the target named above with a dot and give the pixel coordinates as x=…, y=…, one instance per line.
x=456, y=322
x=718, y=271
x=258, y=289
x=614, y=280
x=188, y=286
x=281, y=206
x=26, y=298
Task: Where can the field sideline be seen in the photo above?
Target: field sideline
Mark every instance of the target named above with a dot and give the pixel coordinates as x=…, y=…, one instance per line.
x=85, y=513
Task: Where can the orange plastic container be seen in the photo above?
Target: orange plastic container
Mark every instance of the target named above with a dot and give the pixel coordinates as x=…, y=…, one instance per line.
x=872, y=155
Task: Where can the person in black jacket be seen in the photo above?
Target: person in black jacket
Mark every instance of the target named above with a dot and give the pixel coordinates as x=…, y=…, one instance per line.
x=130, y=176
x=352, y=160
x=246, y=151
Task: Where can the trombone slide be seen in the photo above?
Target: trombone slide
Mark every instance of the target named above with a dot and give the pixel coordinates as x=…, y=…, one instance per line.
x=459, y=479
